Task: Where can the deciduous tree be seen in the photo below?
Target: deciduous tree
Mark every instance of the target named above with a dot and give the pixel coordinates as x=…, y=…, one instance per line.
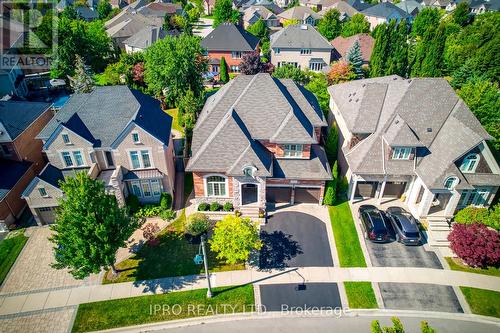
x=356, y=25
x=224, y=12
x=330, y=26
x=189, y=105
x=289, y=71
x=341, y=71
x=104, y=9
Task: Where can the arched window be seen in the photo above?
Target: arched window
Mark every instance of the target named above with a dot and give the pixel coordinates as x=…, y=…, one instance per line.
x=249, y=171
x=216, y=186
x=469, y=163
x=450, y=182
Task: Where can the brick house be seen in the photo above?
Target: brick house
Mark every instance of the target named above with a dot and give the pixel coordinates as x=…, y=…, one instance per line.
x=20, y=153
x=231, y=42
x=415, y=140
x=257, y=141
x=114, y=134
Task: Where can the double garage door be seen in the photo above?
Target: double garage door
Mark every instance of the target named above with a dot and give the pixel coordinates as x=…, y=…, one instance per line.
x=369, y=189
x=301, y=195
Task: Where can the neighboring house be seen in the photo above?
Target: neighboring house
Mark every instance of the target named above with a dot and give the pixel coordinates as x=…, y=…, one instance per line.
x=300, y=14
x=359, y=5
x=86, y=13
x=20, y=153
x=342, y=45
x=231, y=42
x=302, y=46
x=145, y=38
x=415, y=140
x=61, y=5
x=160, y=9
x=208, y=6
x=346, y=11
x=114, y=134
x=254, y=13
x=269, y=4
x=317, y=5
x=442, y=4
x=257, y=141
x=411, y=7
x=476, y=6
x=384, y=12
x=12, y=82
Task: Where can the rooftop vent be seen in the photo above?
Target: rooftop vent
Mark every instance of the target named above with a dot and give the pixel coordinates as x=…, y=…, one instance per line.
x=395, y=78
x=363, y=85
x=429, y=129
x=303, y=27
x=357, y=100
x=350, y=99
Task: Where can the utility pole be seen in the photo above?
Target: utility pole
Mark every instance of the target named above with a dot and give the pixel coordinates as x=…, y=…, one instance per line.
x=205, y=263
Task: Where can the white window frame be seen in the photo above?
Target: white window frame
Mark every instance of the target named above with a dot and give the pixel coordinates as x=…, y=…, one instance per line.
x=226, y=186
x=305, y=51
x=136, y=187
x=454, y=182
x=316, y=66
x=138, y=138
x=73, y=159
x=293, y=150
x=401, y=153
x=66, y=135
x=141, y=160
x=477, y=197
x=470, y=159
x=236, y=54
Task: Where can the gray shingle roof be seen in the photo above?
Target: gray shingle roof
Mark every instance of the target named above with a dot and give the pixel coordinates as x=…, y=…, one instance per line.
x=314, y=168
x=247, y=109
x=299, y=36
x=11, y=172
x=102, y=115
x=299, y=13
x=146, y=37
x=17, y=116
x=230, y=37
x=385, y=10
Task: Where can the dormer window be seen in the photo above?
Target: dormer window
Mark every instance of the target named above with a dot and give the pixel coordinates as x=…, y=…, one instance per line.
x=450, y=183
x=469, y=163
x=43, y=192
x=249, y=171
x=135, y=137
x=401, y=153
x=65, y=138
x=293, y=150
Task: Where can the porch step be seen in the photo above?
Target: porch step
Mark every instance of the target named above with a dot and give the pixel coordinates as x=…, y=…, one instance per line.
x=439, y=238
x=249, y=211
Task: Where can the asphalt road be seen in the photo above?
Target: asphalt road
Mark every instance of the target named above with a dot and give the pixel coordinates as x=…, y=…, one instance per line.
x=413, y=296
x=294, y=239
x=284, y=297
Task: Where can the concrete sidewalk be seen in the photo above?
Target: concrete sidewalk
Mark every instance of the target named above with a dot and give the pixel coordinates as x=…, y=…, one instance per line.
x=50, y=299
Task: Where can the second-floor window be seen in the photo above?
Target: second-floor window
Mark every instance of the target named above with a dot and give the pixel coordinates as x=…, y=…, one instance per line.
x=109, y=159
x=72, y=158
x=469, y=163
x=236, y=54
x=401, y=153
x=293, y=150
x=277, y=50
x=135, y=138
x=43, y=192
x=65, y=138
x=305, y=51
x=140, y=159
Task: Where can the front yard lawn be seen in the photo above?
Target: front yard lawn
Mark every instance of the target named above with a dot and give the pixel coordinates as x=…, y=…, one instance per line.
x=456, y=265
x=360, y=295
x=175, y=122
x=346, y=236
x=483, y=302
x=173, y=256
x=9, y=251
x=154, y=308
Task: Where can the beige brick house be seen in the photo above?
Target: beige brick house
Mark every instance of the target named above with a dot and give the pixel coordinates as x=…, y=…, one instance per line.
x=257, y=141
x=117, y=135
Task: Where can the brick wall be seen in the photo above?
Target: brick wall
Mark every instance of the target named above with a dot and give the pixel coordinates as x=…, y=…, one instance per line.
x=199, y=187
x=227, y=56
x=12, y=205
x=278, y=149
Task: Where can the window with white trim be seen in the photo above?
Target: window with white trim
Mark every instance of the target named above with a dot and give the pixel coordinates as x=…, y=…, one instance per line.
x=135, y=137
x=74, y=158
x=469, y=164
x=450, y=183
x=236, y=54
x=65, y=138
x=316, y=66
x=401, y=153
x=43, y=192
x=216, y=186
x=277, y=50
x=476, y=197
x=305, y=51
x=140, y=159
x=293, y=150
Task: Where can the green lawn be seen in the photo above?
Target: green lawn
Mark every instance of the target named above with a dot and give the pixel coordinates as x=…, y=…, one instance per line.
x=360, y=295
x=175, y=123
x=188, y=185
x=9, y=250
x=172, y=257
x=456, y=265
x=346, y=237
x=483, y=302
x=155, y=308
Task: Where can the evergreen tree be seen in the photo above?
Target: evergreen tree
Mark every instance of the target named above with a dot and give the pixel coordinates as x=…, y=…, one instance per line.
x=380, y=50
x=461, y=15
x=224, y=76
x=397, y=62
x=428, y=17
x=354, y=57
x=331, y=144
x=330, y=26
x=188, y=108
x=356, y=25
x=82, y=81
x=433, y=62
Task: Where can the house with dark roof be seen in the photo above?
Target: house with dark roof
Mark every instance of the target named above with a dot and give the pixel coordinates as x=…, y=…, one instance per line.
x=257, y=141
x=415, y=140
x=411, y=7
x=302, y=46
x=476, y=6
x=384, y=12
x=230, y=41
x=20, y=153
x=146, y=37
x=114, y=134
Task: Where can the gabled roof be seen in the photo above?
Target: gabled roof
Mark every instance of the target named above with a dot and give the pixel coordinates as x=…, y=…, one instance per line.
x=345, y=9
x=259, y=12
x=230, y=37
x=299, y=36
x=410, y=6
x=359, y=5
x=299, y=13
x=148, y=36
x=384, y=10
x=398, y=133
x=11, y=172
x=51, y=175
x=247, y=110
x=101, y=116
x=343, y=44
x=17, y=116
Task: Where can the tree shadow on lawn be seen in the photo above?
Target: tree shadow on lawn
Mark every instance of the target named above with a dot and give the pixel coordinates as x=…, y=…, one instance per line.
x=277, y=249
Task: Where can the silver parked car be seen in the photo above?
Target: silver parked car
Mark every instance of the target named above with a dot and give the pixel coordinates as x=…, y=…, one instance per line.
x=405, y=226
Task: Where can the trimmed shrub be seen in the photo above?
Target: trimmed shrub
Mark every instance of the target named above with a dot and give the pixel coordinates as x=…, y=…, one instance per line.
x=203, y=207
x=471, y=214
x=166, y=200
x=148, y=211
x=133, y=203
x=197, y=224
x=227, y=207
x=330, y=192
x=475, y=244
x=215, y=206
x=331, y=144
x=167, y=214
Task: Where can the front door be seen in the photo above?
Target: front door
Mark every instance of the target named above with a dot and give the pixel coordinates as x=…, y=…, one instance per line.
x=249, y=194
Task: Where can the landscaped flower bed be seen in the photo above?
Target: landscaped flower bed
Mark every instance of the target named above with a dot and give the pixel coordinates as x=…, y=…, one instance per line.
x=215, y=207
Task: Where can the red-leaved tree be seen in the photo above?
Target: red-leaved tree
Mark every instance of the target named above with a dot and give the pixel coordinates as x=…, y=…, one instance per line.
x=138, y=73
x=476, y=244
x=149, y=232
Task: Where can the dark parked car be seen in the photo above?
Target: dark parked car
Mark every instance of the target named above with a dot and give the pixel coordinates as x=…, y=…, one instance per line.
x=405, y=226
x=374, y=224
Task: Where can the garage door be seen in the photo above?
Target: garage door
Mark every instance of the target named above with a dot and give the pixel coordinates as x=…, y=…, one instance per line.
x=307, y=195
x=366, y=189
x=394, y=189
x=47, y=215
x=278, y=194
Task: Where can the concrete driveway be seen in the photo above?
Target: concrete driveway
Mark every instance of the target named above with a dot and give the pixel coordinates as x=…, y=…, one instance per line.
x=281, y=297
x=413, y=296
x=294, y=239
